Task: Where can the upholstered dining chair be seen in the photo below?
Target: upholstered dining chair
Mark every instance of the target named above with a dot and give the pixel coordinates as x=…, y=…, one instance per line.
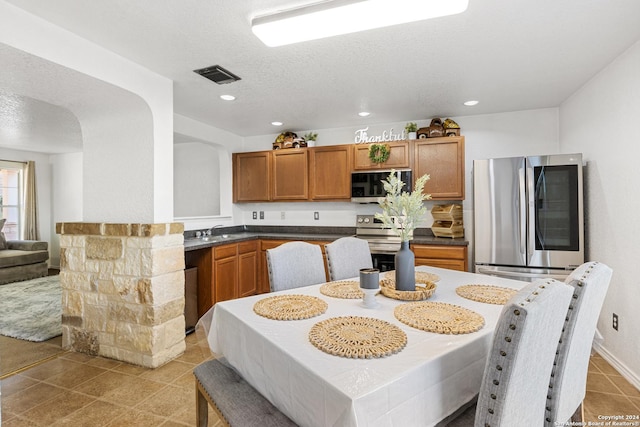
x=233, y=399
x=515, y=381
x=568, y=383
x=346, y=256
x=295, y=264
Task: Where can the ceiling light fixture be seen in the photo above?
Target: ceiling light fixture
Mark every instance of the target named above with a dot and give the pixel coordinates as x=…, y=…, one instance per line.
x=335, y=17
x=228, y=97
x=471, y=103
x=277, y=123
x=364, y=113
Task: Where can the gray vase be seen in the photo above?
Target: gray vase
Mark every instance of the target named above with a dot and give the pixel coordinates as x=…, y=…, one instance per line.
x=405, y=268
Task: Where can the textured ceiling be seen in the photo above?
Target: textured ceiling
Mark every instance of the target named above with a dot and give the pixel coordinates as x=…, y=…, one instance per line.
x=509, y=55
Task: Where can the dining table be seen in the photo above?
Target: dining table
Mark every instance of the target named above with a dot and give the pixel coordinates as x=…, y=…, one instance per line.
x=293, y=363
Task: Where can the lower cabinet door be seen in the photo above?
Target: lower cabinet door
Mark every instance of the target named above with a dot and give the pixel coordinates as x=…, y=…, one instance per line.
x=225, y=278
x=247, y=274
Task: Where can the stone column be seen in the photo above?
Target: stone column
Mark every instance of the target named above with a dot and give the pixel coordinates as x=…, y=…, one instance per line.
x=123, y=290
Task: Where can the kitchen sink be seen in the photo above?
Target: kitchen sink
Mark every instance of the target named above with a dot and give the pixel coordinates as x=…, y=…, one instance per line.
x=214, y=238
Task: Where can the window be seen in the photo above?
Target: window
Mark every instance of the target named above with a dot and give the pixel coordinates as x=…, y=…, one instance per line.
x=11, y=197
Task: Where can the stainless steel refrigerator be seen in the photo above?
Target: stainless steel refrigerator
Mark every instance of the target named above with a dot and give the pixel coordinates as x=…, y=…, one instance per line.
x=528, y=216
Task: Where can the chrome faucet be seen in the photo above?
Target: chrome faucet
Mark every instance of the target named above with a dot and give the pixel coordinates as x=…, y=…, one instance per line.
x=214, y=227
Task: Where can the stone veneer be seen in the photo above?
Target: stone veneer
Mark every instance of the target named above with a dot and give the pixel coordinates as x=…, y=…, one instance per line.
x=123, y=290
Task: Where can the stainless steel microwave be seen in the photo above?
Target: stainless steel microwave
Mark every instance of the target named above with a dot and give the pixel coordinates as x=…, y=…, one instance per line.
x=366, y=186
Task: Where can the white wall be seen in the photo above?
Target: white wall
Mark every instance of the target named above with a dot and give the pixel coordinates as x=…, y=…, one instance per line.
x=601, y=121
x=65, y=188
x=125, y=112
x=196, y=180
x=225, y=143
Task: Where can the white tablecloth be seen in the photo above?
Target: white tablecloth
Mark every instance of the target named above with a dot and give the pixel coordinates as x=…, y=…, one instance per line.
x=428, y=380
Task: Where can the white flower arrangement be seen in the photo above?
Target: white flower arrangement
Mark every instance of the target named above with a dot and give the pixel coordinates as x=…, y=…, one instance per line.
x=402, y=211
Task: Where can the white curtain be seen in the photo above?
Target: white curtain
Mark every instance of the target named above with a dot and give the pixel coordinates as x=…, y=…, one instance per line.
x=30, y=211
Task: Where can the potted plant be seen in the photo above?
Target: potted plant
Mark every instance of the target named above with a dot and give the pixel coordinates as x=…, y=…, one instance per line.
x=411, y=128
x=402, y=211
x=311, y=137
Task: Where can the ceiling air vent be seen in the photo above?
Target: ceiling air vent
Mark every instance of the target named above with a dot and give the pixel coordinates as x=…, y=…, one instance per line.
x=217, y=74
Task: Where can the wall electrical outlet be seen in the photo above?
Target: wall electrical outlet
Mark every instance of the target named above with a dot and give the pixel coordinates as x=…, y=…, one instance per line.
x=282, y=215
x=316, y=215
x=261, y=214
x=615, y=321
x=255, y=215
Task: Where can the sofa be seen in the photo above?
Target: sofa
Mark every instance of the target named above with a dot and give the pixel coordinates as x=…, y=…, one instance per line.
x=23, y=260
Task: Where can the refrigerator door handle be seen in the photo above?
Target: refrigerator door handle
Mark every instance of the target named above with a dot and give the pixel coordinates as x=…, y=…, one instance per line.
x=522, y=218
x=560, y=275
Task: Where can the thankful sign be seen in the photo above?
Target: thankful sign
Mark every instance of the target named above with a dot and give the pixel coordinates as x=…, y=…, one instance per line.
x=363, y=138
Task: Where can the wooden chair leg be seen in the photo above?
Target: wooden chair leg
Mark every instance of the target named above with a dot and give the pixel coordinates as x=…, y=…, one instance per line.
x=202, y=408
x=578, y=416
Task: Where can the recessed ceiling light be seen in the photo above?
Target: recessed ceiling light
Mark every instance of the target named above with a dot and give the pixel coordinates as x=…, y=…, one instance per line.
x=228, y=97
x=363, y=113
x=277, y=123
x=471, y=103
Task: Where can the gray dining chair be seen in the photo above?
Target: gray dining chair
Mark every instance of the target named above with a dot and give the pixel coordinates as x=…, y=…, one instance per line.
x=234, y=400
x=346, y=256
x=568, y=383
x=295, y=264
x=515, y=380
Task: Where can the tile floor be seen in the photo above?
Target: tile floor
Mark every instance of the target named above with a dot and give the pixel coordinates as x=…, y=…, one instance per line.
x=609, y=393
x=79, y=390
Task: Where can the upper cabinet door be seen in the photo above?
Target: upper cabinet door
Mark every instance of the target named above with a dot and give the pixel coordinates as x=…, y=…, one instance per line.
x=398, y=156
x=330, y=172
x=252, y=176
x=290, y=174
x=443, y=160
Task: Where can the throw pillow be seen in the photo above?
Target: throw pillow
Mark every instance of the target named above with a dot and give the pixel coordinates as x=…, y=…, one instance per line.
x=3, y=240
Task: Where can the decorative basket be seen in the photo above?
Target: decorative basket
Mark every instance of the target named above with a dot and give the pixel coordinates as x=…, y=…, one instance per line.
x=450, y=212
x=388, y=289
x=447, y=221
x=447, y=229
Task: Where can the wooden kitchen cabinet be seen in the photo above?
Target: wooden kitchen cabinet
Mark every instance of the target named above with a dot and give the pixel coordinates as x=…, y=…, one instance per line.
x=225, y=272
x=235, y=270
x=399, y=155
x=330, y=172
x=290, y=174
x=443, y=256
x=247, y=268
x=252, y=176
x=443, y=160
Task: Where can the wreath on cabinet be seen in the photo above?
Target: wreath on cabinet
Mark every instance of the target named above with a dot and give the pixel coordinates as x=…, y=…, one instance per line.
x=379, y=153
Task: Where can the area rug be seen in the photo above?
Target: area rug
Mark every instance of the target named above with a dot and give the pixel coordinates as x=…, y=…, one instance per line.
x=31, y=310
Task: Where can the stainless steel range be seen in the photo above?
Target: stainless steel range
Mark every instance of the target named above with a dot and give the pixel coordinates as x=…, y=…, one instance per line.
x=383, y=242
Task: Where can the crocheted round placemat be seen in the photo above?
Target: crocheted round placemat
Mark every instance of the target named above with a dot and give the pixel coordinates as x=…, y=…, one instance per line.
x=347, y=289
x=439, y=317
x=421, y=276
x=486, y=293
x=290, y=307
x=423, y=291
x=357, y=337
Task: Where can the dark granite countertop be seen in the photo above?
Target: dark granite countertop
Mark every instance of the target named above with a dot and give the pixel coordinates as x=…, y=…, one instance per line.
x=422, y=236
